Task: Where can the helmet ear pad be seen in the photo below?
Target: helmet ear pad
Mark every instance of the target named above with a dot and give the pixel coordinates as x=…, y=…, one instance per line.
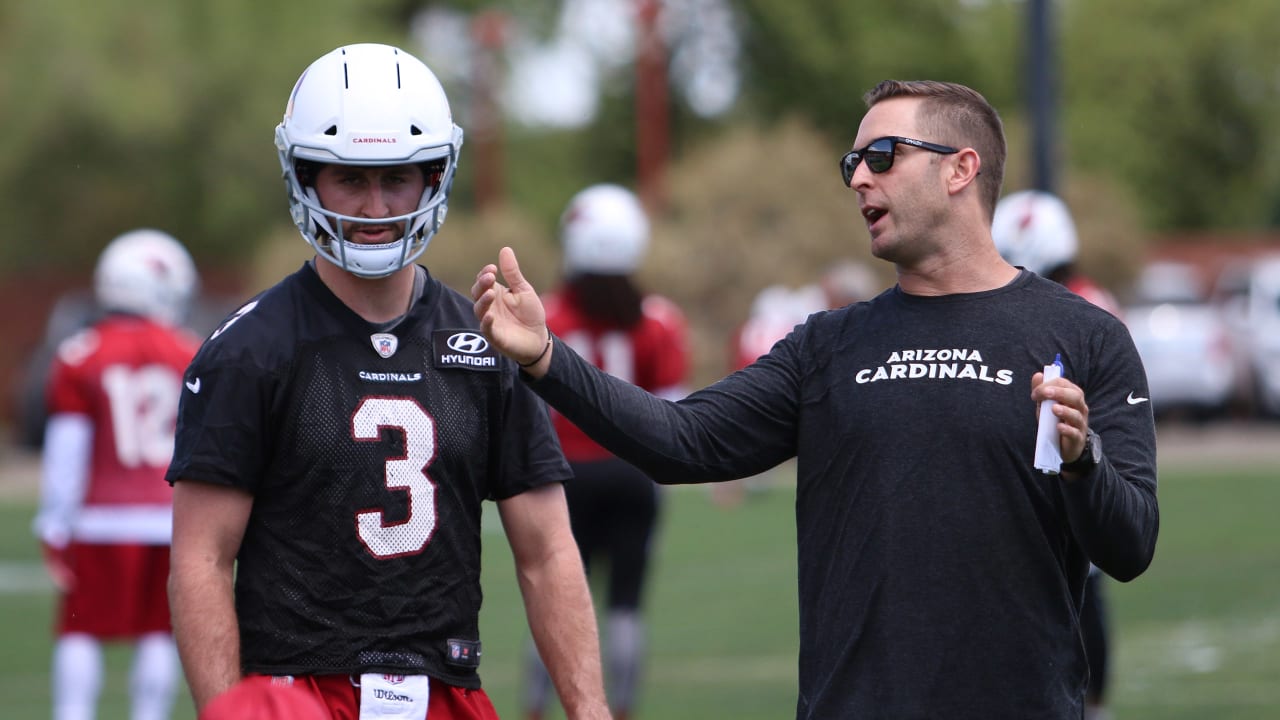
x=317, y=224
x=439, y=180
x=306, y=171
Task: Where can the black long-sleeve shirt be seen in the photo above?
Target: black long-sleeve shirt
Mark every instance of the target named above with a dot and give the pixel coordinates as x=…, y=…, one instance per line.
x=940, y=574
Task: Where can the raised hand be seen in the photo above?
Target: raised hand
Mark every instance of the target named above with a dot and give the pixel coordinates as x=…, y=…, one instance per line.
x=512, y=316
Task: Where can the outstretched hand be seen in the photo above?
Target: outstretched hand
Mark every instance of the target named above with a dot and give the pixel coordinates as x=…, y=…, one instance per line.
x=512, y=316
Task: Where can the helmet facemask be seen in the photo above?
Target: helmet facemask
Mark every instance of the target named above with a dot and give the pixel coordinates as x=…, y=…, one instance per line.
x=323, y=228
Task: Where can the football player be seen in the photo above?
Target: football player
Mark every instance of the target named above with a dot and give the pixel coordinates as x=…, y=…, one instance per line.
x=640, y=337
x=340, y=433
x=104, y=521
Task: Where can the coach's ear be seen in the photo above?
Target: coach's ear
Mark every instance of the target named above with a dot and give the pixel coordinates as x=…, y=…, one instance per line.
x=962, y=168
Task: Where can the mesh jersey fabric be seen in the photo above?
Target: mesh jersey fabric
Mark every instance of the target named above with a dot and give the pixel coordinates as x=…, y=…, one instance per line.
x=368, y=472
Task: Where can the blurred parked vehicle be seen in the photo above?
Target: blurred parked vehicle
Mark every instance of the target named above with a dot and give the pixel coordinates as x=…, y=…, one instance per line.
x=1249, y=293
x=1193, y=366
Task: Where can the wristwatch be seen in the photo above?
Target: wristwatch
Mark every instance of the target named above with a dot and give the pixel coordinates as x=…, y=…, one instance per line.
x=1088, y=459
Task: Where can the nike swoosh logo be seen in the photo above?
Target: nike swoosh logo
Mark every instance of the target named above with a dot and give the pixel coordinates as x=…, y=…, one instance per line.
x=1131, y=399
x=194, y=387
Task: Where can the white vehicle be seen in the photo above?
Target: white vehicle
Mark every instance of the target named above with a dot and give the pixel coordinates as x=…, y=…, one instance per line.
x=1185, y=343
x=1252, y=307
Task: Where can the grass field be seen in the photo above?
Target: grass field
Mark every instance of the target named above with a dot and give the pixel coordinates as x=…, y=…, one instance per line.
x=1198, y=636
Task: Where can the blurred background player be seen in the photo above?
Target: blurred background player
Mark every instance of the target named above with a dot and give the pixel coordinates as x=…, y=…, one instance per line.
x=848, y=281
x=340, y=434
x=104, y=520
x=775, y=311
x=1034, y=230
x=641, y=338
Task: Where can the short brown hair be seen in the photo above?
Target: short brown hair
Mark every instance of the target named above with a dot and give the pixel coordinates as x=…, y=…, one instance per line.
x=960, y=116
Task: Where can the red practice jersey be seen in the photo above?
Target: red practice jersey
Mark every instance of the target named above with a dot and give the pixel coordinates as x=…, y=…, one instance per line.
x=125, y=375
x=756, y=336
x=1094, y=293
x=654, y=354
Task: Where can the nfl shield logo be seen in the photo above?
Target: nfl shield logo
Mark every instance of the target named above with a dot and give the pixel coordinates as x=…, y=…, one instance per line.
x=384, y=343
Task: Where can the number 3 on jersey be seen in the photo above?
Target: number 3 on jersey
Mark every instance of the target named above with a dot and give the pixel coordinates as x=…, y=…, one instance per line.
x=402, y=473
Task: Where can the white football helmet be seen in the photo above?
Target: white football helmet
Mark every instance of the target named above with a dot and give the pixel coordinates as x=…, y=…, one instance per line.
x=368, y=105
x=1034, y=229
x=605, y=231
x=146, y=272
x=848, y=281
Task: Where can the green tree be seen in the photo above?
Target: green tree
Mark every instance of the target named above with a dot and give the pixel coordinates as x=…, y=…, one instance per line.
x=134, y=112
x=1171, y=99
x=818, y=58
x=1178, y=99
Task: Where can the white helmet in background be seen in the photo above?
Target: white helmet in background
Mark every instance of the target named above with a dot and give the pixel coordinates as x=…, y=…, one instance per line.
x=146, y=272
x=846, y=282
x=1034, y=229
x=605, y=231
x=368, y=105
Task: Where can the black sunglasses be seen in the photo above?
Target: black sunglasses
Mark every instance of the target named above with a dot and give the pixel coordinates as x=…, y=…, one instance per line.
x=879, y=155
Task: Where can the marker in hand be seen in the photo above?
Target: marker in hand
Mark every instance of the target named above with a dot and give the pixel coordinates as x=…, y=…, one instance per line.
x=1048, y=452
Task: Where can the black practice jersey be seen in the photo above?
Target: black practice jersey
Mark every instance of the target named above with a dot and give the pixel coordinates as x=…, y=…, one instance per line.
x=368, y=455
x=940, y=574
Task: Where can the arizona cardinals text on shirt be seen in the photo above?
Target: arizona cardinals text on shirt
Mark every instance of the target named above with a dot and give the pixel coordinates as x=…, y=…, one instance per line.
x=944, y=364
